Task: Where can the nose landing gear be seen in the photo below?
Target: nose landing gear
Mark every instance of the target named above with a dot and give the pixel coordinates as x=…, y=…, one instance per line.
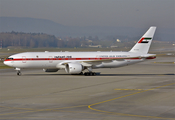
x=18, y=71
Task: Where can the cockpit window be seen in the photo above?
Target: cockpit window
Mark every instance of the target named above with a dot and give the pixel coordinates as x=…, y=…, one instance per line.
x=9, y=58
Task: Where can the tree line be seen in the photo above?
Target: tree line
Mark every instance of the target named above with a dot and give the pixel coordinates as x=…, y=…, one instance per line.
x=39, y=40
x=34, y=40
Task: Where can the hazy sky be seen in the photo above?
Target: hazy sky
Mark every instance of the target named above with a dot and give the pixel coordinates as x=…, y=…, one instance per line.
x=129, y=13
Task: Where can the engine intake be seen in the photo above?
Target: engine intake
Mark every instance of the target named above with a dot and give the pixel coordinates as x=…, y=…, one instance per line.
x=73, y=68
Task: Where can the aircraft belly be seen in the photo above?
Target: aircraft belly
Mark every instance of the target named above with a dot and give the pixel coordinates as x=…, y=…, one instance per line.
x=35, y=64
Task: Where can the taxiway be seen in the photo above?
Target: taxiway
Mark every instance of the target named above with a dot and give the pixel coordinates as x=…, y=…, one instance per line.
x=145, y=91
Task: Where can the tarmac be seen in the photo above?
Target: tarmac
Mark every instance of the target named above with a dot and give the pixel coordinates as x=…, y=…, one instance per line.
x=144, y=91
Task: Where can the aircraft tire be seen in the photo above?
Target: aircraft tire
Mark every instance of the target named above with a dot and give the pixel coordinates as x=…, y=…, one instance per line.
x=94, y=74
x=90, y=74
x=19, y=73
x=81, y=73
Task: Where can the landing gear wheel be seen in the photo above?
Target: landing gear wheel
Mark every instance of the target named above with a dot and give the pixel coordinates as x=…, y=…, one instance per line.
x=90, y=74
x=94, y=74
x=81, y=73
x=85, y=73
x=19, y=73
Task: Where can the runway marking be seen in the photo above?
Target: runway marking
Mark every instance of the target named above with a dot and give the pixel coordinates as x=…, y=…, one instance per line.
x=56, y=109
x=123, y=114
x=36, y=110
x=128, y=89
x=15, y=113
x=30, y=110
x=45, y=117
x=42, y=109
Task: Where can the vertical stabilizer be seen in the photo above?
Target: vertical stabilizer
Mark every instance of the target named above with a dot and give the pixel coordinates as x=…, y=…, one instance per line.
x=144, y=43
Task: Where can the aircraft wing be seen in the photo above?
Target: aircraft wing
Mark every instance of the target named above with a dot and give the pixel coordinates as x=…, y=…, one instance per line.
x=100, y=60
x=93, y=62
x=109, y=59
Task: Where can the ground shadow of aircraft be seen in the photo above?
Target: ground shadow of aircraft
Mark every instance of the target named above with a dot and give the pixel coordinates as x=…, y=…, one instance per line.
x=101, y=74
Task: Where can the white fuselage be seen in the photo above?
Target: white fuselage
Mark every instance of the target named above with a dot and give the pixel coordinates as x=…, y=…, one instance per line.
x=76, y=62
x=55, y=60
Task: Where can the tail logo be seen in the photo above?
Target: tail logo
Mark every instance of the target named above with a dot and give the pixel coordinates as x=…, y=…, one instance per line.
x=144, y=40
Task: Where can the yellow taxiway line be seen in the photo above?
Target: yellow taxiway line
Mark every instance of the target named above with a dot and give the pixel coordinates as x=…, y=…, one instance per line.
x=123, y=114
x=129, y=89
x=29, y=110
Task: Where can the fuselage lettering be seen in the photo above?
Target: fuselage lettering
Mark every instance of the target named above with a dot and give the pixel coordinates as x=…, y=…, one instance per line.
x=62, y=56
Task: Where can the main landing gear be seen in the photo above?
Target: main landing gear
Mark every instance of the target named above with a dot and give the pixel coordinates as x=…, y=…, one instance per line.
x=90, y=74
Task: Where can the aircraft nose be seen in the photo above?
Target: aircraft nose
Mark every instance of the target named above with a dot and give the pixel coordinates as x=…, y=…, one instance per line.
x=8, y=63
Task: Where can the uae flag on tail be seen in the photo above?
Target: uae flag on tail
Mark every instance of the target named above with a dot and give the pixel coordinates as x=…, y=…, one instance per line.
x=144, y=40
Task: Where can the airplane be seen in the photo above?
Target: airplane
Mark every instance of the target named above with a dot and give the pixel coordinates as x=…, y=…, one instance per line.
x=78, y=62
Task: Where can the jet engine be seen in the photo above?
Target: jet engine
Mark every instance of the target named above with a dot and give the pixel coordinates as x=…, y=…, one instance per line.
x=50, y=70
x=73, y=68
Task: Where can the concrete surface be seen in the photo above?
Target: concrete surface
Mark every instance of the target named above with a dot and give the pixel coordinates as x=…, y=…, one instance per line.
x=145, y=91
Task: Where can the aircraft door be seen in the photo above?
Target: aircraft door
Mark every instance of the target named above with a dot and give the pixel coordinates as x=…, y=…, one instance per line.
x=50, y=59
x=23, y=59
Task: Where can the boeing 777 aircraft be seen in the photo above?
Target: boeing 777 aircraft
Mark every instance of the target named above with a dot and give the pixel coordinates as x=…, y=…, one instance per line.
x=77, y=62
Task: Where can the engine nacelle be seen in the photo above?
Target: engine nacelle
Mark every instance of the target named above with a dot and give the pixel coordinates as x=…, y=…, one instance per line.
x=50, y=70
x=73, y=68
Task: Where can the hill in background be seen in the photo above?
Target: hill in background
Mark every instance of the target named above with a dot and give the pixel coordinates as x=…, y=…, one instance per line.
x=32, y=25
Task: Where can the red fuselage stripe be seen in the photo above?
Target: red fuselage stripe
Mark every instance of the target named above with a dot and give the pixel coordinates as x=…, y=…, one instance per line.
x=38, y=59
x=33, y=59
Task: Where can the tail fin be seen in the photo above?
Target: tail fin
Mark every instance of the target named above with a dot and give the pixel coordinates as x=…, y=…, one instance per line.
x=144, y=43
